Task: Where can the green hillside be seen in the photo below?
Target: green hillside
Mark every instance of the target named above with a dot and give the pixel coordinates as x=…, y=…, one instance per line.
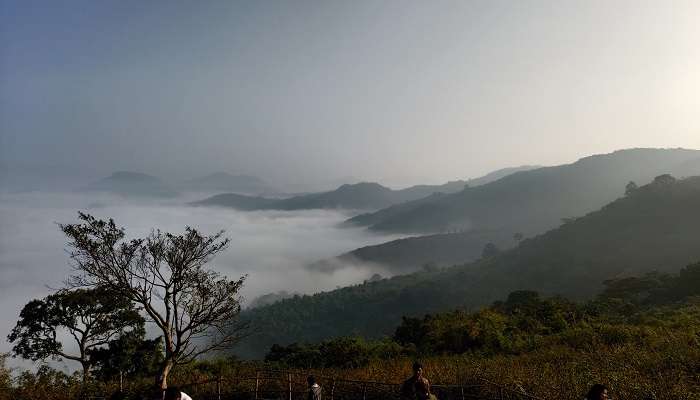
x=534, y=201
x=655, y=227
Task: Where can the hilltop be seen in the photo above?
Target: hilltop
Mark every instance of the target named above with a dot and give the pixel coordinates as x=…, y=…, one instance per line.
x=654, y=227
x=533, y=201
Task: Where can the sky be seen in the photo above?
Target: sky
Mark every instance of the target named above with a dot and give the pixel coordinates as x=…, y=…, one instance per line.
x=399, y=92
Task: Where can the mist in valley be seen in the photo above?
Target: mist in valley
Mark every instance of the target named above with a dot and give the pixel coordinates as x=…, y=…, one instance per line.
x=273, y=248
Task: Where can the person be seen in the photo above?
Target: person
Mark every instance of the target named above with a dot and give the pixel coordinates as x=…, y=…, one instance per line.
x=314, y=388
x=417, y=387
x=173, y=393
x=597, y=392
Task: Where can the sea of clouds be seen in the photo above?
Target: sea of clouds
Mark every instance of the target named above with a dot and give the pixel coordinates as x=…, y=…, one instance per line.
x=273, y=248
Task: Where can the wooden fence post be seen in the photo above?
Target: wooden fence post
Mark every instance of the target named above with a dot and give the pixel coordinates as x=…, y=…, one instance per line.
x=332, y=388
x=364, y=391
x=218, y=387
x=462, y=387
x=257, y=384
x=289, y=378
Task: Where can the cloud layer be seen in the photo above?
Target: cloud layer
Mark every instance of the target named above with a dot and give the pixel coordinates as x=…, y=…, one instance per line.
x=272, y=248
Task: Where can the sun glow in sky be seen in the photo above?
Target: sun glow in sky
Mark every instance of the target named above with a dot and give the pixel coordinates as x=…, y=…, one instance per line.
x=392, y=91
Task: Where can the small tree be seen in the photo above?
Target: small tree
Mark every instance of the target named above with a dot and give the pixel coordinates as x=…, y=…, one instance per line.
x=490, y=250
x=91, y=317
x=129, y=355
x=195, y=309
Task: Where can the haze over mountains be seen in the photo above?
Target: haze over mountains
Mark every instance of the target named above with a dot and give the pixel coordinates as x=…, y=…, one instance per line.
x=654, y=227
x=533, y=201
x=127, y=183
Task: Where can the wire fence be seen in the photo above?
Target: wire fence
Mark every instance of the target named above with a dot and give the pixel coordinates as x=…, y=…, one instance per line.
x=292, y=385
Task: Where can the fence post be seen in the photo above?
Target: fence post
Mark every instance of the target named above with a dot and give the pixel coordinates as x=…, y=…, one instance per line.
x=257, y=384
x=289, y=378
x=332, y=388
x=218, y=387
x=462, y=387
x=364, y=391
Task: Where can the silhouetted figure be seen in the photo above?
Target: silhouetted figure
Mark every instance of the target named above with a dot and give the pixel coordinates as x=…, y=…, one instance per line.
x=314, y=388
x=173, y=393
x=597, y=392
x=417, y=387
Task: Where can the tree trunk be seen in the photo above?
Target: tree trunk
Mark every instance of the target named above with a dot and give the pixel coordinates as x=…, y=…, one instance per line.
x=167, y=367
x=86, y=371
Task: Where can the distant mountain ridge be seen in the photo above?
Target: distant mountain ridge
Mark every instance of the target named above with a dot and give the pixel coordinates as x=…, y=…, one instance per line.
x=535, y=200
x=129, y=183
x=358, y=196
x=654, y=227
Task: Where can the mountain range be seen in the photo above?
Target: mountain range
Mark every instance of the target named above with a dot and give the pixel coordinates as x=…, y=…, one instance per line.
x=533, y=201
x=653, y=227
x=359, y=196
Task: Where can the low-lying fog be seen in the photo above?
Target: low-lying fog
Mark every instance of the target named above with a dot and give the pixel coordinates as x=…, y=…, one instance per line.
x=272, y=247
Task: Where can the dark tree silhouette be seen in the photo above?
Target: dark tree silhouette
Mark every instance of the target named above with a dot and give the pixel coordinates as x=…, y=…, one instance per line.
x=92, y=317
x=195, y=309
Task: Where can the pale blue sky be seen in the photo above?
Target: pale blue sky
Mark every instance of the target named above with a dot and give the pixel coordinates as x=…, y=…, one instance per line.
x=301, y=91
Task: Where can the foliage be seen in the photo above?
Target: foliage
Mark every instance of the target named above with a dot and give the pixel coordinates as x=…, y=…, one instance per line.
x=92, y=317
x=128, y=356
x=195, y=309
x=343, y=352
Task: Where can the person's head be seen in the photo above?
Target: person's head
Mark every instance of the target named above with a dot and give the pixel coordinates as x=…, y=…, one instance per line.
x=172, y=393
x=311, y=380
x=597, y=392
x=417, y=369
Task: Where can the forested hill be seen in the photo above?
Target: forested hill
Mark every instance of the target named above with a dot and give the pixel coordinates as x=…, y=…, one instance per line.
x=534, y=201
x=654, y=227
x=410, y=254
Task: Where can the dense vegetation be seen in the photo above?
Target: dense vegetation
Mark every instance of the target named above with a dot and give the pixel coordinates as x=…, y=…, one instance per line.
x=652, y=228
x=534, y=201
x=640, y=337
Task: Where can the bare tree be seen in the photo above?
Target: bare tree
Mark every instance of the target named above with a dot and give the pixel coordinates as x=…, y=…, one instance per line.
x=196, y=309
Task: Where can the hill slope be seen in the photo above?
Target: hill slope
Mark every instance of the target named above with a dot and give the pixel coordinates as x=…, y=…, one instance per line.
x=413, y=253
x=654, y=228
x=534, y=201
x=127, y=183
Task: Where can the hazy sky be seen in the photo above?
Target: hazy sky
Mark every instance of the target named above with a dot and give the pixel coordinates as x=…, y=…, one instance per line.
x=300, y=91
